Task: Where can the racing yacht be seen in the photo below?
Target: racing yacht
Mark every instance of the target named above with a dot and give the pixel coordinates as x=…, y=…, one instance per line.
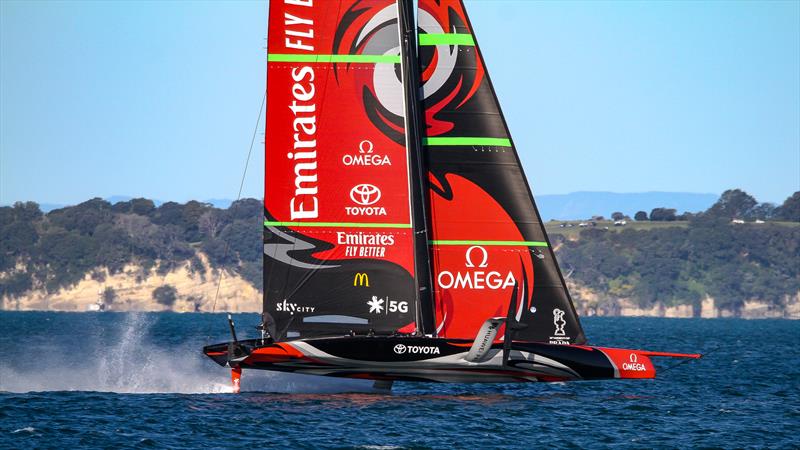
x=401, y=237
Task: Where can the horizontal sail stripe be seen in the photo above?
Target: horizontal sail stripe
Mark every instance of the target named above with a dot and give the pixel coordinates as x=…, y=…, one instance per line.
x=467, y=141
x=268, y=223
x=282, y=57
x=507, y=243
x=446, y=39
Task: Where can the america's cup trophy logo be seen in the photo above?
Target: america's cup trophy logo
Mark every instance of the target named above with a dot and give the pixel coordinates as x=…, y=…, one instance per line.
x=559, y=322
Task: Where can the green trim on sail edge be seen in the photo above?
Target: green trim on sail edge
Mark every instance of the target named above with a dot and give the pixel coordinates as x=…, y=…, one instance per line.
x=268, y=223
x=446, y=39
x=466, y=141
x=283, y=57
x=508, y=243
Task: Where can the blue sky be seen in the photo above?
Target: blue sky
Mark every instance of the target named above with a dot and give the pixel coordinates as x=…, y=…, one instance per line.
x=159, y=99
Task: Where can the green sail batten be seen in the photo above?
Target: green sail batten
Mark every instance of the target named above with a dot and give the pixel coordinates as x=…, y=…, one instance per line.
x=506, y=243
x=466, y=141
x=446, y=39
x=281, y=57
x=268, y=223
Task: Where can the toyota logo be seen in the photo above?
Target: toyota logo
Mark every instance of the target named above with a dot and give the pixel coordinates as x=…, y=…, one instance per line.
x=399, y=349
x=365, y=194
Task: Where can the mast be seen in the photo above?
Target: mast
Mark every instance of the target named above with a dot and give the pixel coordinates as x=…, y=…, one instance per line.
x=417, y=169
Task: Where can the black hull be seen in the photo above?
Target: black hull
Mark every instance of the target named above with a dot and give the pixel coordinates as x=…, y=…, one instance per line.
x=400, y=358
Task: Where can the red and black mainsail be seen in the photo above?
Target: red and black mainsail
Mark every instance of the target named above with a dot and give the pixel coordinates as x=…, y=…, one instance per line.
x=489, y=248
x=351, y=241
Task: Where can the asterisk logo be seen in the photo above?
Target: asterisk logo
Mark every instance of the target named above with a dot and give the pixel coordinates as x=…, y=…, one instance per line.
x=375, y=305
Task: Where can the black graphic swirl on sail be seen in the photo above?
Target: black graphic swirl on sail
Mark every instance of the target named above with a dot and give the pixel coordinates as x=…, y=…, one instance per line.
x=481, y=203
x=311, y=297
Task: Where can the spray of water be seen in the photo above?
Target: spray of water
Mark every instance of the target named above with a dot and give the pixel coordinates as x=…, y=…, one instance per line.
x=130, y=362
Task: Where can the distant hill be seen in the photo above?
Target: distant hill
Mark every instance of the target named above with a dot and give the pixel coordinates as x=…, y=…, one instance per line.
x=575, y=205
x=583, y=205
x=47, y=207
x=221, y=203
x=142, y=256
x=572, y=206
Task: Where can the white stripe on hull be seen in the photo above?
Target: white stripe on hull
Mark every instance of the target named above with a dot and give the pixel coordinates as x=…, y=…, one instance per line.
x=527, y=364
x=455, y=368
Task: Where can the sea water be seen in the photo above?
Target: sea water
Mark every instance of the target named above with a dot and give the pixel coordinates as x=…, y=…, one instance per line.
x=139, y=380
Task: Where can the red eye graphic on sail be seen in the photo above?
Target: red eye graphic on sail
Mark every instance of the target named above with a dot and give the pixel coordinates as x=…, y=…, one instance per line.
x=371, y=27
x=475, y=279
x=481, y=207
x=447, y=82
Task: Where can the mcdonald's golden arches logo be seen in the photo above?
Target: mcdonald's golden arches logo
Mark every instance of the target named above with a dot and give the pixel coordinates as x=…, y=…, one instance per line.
x=361, y=279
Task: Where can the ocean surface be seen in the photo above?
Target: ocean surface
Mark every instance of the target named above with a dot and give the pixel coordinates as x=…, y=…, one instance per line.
x=118, y=380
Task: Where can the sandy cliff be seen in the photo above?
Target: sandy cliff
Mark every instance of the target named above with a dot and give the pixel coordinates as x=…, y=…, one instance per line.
x=590, y=303
x=196, y=290
x=134, y=292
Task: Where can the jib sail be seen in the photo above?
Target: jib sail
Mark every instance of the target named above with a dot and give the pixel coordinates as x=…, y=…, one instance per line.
x=338, y=240
x=489, y=248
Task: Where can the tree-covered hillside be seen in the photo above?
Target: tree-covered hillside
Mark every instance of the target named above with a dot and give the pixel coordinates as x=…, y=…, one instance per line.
x=711, y=253
x=55, y=250
x=716, y=253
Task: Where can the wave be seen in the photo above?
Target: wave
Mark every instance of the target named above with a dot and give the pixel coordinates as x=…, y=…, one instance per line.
x=135, y=364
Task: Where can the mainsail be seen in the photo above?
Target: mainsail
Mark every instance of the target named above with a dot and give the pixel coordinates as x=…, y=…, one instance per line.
x=490, y=253
x=343, y=205
x=338, y=230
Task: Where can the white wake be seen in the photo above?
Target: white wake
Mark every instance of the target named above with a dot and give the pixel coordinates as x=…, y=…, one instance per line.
x=133, y=364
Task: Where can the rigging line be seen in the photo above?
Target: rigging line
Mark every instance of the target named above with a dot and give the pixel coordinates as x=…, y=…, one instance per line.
x=688, y=360
x=239, y=195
